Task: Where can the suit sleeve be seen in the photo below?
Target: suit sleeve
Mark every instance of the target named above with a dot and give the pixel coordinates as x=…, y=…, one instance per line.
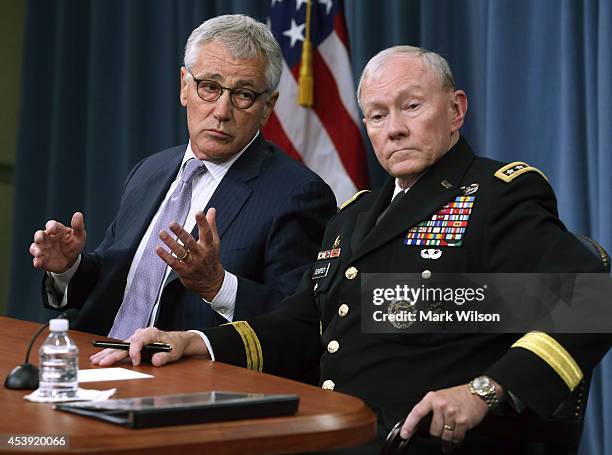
x=88, y=272
x=291, y=247
x=542, y=369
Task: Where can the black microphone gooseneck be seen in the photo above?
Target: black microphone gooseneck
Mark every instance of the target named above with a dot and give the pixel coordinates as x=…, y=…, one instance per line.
x=25, y=376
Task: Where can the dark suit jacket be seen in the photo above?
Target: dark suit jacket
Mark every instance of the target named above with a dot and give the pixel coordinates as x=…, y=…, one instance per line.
x=513, y=227
x=271, y=214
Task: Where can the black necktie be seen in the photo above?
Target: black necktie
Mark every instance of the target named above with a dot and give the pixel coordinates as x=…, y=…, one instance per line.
x=396, y=199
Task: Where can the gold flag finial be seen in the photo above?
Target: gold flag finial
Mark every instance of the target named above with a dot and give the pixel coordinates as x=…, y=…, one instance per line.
x=306, y=79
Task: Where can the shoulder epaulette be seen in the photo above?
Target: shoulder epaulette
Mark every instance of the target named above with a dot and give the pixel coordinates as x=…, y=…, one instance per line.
x=353, y=199
x=511, y=171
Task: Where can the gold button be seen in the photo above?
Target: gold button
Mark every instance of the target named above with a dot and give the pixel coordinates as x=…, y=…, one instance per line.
x=351, y=273
x=333, y=346
x=328, y=384
x=426, y=274
x=343, y=310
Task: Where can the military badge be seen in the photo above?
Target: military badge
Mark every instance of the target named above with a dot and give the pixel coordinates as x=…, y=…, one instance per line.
x=431, y=253
x=469, y=189
x=403, y=313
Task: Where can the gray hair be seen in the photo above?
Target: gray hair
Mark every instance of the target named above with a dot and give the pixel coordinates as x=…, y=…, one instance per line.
x=244, y=38
x=435, y=62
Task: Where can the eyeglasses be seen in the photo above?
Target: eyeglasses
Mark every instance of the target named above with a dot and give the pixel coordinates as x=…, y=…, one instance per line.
x=211, y=91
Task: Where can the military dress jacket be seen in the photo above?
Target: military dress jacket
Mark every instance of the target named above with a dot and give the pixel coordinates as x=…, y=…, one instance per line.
x=513, y=226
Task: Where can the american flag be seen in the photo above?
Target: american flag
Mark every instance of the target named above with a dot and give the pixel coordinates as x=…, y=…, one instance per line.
x=325, y=136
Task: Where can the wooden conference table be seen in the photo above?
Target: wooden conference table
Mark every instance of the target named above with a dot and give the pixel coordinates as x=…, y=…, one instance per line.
x=325, y=420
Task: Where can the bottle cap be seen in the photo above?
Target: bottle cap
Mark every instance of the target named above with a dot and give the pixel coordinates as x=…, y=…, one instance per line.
x=58, y=325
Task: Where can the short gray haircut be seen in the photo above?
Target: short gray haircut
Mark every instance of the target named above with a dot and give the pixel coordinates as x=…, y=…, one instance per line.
x=244, y=38
x=434, y=61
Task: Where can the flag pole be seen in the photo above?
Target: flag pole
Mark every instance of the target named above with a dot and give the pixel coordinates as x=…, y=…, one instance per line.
x=306, y=79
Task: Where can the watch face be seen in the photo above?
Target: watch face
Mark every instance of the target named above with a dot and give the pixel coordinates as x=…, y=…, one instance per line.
x=481, y=383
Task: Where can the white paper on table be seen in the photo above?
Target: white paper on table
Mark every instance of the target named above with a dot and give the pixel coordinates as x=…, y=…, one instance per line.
x=109, y=374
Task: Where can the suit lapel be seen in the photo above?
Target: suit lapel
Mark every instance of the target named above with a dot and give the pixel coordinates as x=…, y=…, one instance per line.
x=367, y=219
x=233, y=190
x=434, y=189
x=229, y=198
x=143, y=209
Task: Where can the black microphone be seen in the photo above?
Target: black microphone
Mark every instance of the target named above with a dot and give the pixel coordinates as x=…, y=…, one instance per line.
x=26, y=376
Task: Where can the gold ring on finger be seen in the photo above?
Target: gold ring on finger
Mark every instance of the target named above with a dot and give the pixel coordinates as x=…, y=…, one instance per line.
x=184, y=256
x=448, y=427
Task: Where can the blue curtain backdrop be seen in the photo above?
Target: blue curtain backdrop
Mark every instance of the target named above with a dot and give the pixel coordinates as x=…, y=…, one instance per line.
x=100, y=91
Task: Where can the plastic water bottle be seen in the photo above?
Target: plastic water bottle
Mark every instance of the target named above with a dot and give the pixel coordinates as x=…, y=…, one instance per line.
x=59, y=363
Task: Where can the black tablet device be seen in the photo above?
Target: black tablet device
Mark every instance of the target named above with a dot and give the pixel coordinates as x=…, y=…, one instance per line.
x=188, y=408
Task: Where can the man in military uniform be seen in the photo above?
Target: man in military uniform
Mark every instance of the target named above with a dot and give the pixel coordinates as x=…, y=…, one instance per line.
x=508, y=223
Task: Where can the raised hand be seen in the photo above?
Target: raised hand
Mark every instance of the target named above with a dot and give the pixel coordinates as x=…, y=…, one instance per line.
x=196, y=262
x=57, y=247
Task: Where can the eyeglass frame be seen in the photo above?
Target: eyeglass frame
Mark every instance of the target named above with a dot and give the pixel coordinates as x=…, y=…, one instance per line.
x=230, y=90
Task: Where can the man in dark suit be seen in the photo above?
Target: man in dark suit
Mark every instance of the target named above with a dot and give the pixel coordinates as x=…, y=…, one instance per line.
x=248, y=219
x=452, y=212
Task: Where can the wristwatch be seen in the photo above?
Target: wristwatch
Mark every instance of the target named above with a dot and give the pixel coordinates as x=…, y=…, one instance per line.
x=483, y=387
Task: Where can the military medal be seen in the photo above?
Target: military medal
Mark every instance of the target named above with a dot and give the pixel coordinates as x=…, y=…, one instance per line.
x=321, y=270
x=328, y=254
x=446, y=226
x=333, y=253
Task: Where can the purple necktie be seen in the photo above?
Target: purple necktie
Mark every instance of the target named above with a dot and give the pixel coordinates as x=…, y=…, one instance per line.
x=141, y=296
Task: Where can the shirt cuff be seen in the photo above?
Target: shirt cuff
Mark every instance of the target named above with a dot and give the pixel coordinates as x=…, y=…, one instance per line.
x=224, y=302
x=206, y=342
x=60, y=283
